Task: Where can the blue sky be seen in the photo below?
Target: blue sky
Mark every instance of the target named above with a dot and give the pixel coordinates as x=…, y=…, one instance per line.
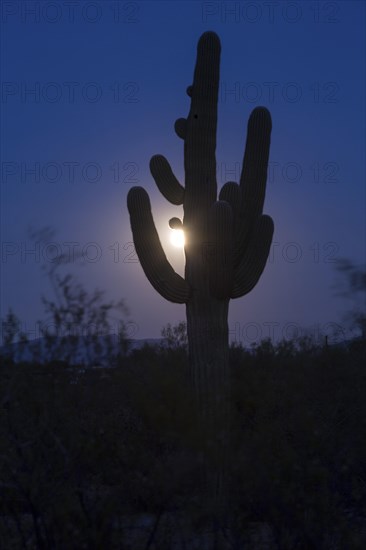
x=109, y=81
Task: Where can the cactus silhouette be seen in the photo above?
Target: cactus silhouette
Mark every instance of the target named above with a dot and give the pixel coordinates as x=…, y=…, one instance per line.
x=227, y=242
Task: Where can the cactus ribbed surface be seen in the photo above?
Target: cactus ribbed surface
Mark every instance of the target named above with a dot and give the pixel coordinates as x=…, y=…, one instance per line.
x=227, y=242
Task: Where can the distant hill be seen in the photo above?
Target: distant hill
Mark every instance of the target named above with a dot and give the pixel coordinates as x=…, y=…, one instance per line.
x=83, y=351
x=98, y=353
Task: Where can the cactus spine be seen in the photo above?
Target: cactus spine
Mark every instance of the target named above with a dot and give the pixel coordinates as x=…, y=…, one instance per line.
x=227, y=242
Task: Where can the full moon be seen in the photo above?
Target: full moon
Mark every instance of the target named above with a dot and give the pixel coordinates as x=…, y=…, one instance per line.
x=177, y=238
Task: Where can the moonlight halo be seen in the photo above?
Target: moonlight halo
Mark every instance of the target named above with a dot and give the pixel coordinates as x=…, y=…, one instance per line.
x=177, y=238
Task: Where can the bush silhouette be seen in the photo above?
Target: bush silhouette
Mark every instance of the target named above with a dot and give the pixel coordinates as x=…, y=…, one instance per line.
x=77, y=459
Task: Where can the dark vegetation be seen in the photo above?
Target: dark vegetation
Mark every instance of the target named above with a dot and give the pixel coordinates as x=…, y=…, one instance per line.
x=101, y=458
x=80, y=450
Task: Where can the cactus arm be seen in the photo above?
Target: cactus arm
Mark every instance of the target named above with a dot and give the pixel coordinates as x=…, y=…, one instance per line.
x=254, y=174
x=166, y=181
x=221, y=254
x=149, y=250
x=247, y=273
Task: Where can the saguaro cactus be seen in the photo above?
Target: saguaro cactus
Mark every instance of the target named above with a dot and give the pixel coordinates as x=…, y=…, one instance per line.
x=227, y=242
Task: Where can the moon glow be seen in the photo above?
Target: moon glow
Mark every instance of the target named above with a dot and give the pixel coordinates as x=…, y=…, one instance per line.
x=177, y=238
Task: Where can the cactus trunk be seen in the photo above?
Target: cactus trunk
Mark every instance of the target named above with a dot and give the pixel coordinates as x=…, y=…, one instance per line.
x=207, y=328
x=208, y=347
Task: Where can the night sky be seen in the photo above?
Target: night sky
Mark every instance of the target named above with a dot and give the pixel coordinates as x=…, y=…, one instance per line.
x=91, y=90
